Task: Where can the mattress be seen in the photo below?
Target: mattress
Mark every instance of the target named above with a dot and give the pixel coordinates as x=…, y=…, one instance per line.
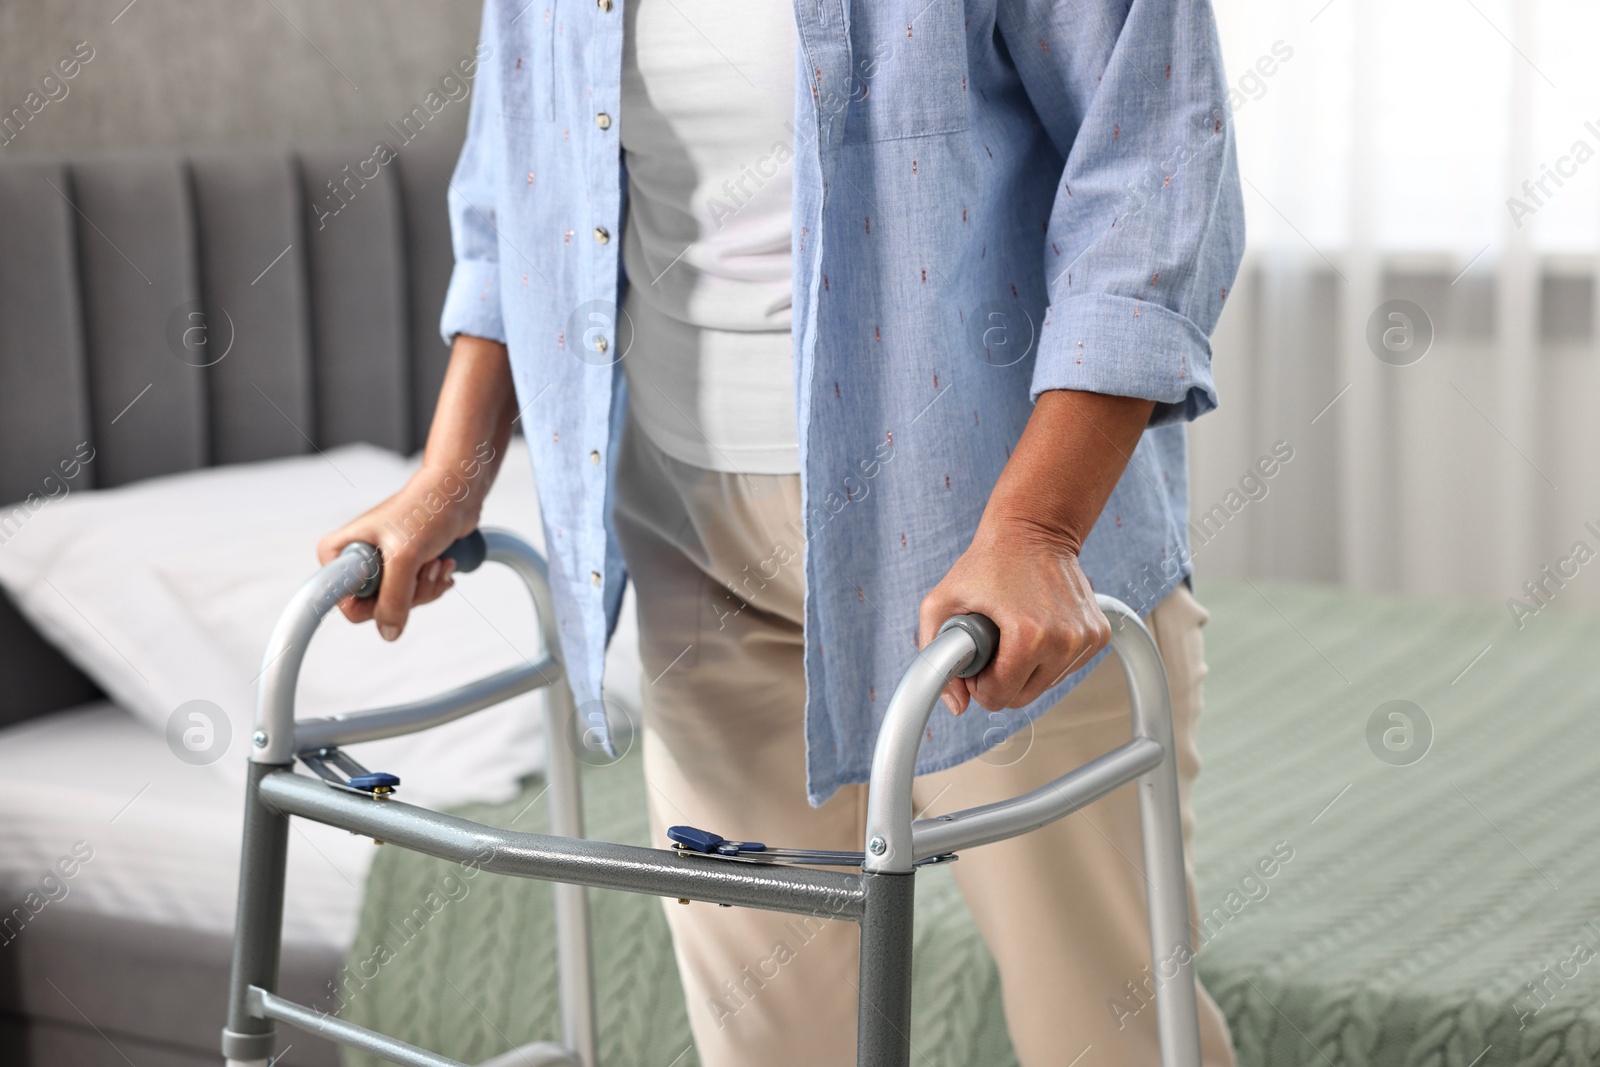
x=1431, y=900
x=155, y=839
x=118, y=868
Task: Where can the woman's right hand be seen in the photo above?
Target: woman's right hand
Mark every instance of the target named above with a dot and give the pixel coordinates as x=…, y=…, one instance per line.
x=411, y=529
x=441, y=503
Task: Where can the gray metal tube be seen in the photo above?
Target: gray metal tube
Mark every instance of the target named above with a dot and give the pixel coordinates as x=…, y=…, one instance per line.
x=279, y=737
x=536, y=1054
x=1160, y=818
x=600, y=864
x=574, y=940
x=354, y=727
x=353, y=569
x=1052, y=801
x=891, y=844
x=894, y=759
x=333, y=1028
x=258, y=924
x=574, y=937
x=883, y=1008
x=286, y=650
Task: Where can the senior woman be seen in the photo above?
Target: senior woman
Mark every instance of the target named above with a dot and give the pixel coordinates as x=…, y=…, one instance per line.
x=826, y=320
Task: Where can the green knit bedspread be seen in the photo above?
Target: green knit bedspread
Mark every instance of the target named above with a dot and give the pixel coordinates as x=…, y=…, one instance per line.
x=1441, y=911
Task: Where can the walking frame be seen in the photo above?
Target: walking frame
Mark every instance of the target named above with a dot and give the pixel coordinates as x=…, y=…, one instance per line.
x=877, y=896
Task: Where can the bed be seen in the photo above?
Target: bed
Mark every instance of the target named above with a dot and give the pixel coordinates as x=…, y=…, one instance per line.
x=136, y=942
x=1432, y=911
x=1435, y=906
x=313, y=345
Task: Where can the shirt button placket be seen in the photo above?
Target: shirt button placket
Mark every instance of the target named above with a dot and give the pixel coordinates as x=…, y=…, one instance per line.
x=603, y=153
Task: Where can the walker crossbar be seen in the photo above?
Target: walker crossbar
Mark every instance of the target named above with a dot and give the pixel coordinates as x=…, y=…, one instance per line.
x=599, y=864
x=1051, y=801
x=879, y=898
x=355, y=726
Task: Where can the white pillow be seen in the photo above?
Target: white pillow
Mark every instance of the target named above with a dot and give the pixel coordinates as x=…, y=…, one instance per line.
x=166, y=591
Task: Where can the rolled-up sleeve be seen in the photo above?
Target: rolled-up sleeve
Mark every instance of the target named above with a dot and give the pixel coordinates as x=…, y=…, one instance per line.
x=472, y=303
x=1147, y=228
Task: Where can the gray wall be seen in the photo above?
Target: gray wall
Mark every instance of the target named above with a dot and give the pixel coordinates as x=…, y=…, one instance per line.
x=169, y=72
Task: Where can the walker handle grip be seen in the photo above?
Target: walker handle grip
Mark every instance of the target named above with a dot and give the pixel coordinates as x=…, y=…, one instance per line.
x=985, y=635
x=468, y=553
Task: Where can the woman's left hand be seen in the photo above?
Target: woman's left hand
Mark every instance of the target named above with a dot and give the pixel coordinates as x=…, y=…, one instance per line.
x=1028, y=581
x=1021, y=569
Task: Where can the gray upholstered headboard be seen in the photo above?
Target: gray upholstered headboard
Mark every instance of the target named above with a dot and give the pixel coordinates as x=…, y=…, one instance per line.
x=102, y=258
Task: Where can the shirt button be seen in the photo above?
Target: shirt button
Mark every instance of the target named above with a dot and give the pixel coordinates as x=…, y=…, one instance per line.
x=602, y=235
x=605, y=5
x=601, y=344
x=603, y=121
x=594, y=577
x=594, y=457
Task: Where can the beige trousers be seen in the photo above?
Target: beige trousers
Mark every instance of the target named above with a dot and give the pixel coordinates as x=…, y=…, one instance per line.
x=1061, y=909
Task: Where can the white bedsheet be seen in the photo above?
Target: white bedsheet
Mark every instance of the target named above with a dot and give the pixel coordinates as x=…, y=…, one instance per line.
x=164, y=835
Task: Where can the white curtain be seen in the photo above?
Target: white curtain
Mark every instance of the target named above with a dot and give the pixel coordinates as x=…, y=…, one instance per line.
x=1385, y=149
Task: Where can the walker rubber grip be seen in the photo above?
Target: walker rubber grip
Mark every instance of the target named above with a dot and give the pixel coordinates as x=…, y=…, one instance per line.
x=468, y=553
x=985, y=635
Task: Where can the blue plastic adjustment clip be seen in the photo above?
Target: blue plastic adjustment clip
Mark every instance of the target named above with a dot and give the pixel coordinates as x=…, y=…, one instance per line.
x=375, y=782
x=693, y=839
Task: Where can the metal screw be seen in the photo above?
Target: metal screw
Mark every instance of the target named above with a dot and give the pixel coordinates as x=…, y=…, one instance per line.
x=259, y=738
x=877, y=846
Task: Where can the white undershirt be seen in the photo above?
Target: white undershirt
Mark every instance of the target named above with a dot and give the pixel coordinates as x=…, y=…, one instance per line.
x=707, y=132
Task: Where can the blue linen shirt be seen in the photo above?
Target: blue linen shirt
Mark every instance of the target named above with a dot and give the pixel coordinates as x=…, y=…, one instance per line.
x=992, y=198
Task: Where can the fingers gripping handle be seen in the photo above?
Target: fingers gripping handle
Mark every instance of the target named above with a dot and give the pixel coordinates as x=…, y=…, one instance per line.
x=468, y=553
x=985, y=639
